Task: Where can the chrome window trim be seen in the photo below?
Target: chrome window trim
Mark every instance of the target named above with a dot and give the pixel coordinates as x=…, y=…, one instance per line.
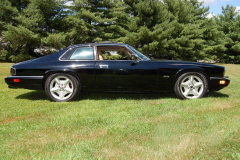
x=124, y=46
x=91, y=48
x=95, y=52
x=64, y=54
x=137, y=54
x=78, y=60
x=72, y=47
x=129, y=49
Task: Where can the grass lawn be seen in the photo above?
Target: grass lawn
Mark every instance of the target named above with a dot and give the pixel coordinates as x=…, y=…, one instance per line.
x=120, y=126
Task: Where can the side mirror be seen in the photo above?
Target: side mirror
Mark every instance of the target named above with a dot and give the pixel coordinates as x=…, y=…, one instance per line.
x=135, y=59
x=150, y=56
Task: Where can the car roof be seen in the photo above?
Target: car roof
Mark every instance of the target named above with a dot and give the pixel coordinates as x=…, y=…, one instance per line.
x=98, y=44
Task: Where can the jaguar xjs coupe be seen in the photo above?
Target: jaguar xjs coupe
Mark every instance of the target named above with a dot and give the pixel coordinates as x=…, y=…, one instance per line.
x=113, y=67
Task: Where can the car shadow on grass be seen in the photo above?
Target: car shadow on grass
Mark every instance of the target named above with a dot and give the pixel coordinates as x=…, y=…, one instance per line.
x=124, y=95
x=33, y=95
x=41, y=95
x=218, y=95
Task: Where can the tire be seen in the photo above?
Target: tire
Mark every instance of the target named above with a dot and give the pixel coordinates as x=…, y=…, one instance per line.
x=61, y=87
x=191, y=85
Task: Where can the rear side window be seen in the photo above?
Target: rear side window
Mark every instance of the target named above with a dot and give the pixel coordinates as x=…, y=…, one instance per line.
x=84, y=53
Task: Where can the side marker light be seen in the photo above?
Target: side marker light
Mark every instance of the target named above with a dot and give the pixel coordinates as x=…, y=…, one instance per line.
x=222, y=82
x=16, y=80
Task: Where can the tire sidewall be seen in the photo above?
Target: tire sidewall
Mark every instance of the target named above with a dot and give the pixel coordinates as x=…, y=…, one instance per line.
x=76, y=87
x=177, y=89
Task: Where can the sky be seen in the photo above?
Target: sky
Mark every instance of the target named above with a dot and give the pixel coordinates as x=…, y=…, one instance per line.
x=216, y=5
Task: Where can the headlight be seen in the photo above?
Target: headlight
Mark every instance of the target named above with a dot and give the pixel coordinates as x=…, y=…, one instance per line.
x=13, y=71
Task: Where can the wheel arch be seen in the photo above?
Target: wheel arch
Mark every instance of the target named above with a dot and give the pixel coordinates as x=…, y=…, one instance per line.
x=50, y=72
x=196, y=69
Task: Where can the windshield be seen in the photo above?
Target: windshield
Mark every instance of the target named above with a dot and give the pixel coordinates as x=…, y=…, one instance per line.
x=143, y=57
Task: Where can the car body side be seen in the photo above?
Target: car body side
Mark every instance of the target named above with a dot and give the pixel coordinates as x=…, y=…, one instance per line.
x=121, y=75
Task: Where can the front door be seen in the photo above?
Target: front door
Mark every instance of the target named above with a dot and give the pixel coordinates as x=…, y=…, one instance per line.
x=116, y=71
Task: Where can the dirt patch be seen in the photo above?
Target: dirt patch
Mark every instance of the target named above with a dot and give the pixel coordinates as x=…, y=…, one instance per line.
x=221, y=106
x=20, y=118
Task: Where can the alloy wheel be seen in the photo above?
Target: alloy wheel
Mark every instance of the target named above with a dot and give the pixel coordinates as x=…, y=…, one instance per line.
x=61, y=87
x=191, y=87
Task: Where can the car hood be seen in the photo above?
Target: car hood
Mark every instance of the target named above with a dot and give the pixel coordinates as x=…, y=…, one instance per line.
x=178, y=62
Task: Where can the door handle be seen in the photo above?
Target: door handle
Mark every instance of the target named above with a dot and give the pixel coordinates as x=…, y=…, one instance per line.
x=103, y=66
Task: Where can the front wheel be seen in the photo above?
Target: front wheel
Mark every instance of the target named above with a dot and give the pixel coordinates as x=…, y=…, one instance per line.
x=62, y=87
x=191, y=85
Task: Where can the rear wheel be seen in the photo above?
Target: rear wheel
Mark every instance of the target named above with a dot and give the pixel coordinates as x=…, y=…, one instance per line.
x=191, y=85
x=62, y=87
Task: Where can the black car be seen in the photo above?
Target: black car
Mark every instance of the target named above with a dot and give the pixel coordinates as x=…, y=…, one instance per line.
x=113, y=67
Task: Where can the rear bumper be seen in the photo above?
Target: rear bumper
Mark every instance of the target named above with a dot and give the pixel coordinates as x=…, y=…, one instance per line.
x=215, y=83
x=27, y=82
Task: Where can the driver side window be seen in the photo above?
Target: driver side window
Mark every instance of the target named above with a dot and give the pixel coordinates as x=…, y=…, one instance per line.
x=113, y=53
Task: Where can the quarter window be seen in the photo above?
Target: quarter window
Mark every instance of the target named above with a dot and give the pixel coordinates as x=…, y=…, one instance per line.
x=84, y=53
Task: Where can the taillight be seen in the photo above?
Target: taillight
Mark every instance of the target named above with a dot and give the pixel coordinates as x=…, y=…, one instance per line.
x=16, y=80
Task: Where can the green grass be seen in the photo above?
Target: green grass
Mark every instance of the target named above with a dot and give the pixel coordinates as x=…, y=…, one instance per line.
x=120, y=126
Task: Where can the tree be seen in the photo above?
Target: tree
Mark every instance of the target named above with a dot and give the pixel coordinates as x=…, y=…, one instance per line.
x=214, y=45
x=54, y=41
x=31, y=21
x=168, y=29
x=92, y=21
x=53, y=29
x=229, y=23
x=22, y=34
x=187, y=38
x=148, y=26
x=7, y=12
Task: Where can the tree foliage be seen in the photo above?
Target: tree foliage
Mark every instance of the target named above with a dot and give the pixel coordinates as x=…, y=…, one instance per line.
x=170, y=29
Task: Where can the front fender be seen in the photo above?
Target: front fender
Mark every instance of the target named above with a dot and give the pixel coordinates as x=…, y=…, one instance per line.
x=190, y=69
x=193, y=69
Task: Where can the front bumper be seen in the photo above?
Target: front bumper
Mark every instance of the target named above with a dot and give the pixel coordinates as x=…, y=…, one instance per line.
x=27, y=82
x=215, y=84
